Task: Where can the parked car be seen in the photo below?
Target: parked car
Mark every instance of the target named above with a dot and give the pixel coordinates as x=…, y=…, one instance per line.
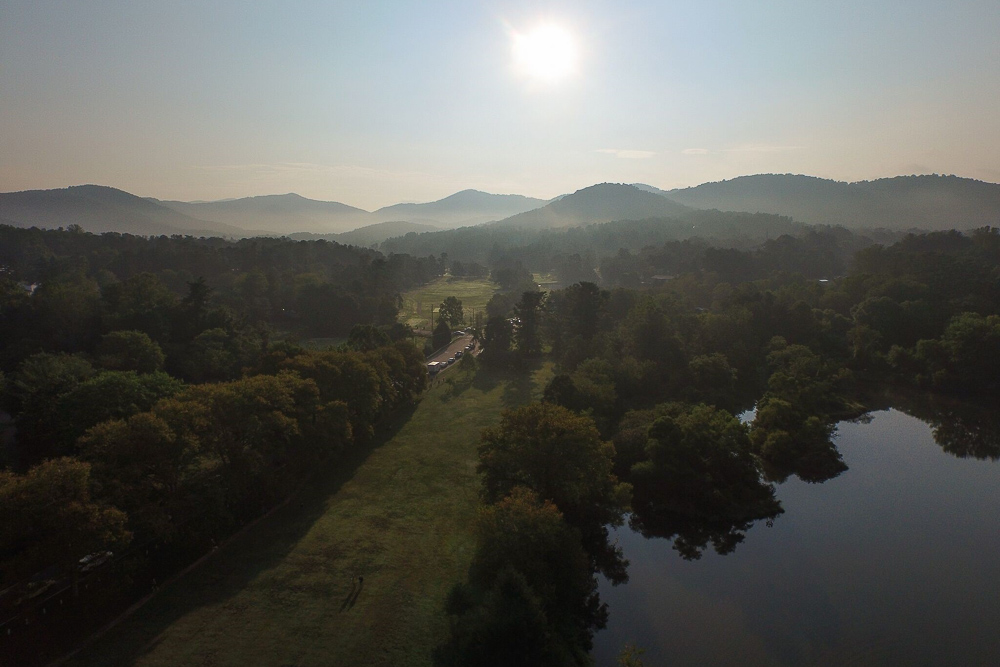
x=90, y=561
x=451, y=360
x=458, y=355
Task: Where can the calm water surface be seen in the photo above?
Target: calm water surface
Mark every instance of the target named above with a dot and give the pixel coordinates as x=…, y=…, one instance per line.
x=894, y=562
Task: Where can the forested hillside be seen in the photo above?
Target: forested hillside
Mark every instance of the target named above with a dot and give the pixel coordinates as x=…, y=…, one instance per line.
x=901, y=203
x=176, y=289
x=603, y=202
x=631, y=252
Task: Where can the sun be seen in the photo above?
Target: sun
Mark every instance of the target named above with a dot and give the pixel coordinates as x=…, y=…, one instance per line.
x=546, y=53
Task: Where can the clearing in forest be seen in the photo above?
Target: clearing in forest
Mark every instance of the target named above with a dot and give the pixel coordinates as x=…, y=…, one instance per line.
x=418, y=303
x=285, y=593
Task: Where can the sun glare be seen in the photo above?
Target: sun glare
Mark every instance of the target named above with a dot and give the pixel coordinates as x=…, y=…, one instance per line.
x=547, y=53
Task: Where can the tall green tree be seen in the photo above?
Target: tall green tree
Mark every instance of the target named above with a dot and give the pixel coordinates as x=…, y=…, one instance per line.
x=441, y=335
x=700, y=481
x=32, y=394
x=451, y=310
x=129, y=351
x=531, y=597
x=141, y=465
x=497, y=338
x=560, y=456
x=527, y=334
x=108, y=395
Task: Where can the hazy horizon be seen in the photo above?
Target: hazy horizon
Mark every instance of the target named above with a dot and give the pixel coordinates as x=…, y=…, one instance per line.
x=373, y=106
x=446, y=196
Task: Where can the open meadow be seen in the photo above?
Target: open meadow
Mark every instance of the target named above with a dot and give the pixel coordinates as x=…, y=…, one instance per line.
x=285, y=592
x=420, y=304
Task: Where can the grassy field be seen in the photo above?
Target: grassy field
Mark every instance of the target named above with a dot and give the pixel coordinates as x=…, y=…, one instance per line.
x=417, y=304
x=322, y=343
x=282, y=593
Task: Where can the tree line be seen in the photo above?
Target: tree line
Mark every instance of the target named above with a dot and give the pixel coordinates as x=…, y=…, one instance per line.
x=644, y=416
x=139, y=460
x=152, y=407
x=663, y=371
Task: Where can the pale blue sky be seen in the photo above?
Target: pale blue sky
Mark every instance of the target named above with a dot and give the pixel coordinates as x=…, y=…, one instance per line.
x=373, y=102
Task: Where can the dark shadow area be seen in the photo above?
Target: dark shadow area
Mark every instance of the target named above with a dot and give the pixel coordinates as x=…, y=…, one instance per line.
x=655, y=514
x=517, y=376
x=488, y=377
x=261, y=548
x=352, y=596
x=456, y=383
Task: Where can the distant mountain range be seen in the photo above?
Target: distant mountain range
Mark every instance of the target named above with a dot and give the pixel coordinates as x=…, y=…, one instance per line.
x=905, y=202
x=104, y=209
x=101, y=209
x=284, y=214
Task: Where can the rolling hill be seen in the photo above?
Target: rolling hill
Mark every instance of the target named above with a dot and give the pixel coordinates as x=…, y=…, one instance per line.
x=369, y=234
x=97, y=208
x=468, y=207
x=605, y=202
x=279, y=214
x=903, y=202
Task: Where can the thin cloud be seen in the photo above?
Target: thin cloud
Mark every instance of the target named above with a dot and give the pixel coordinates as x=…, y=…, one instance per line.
x=627, y=154
x=695, y=151
x=284, y=168
x=761, y=148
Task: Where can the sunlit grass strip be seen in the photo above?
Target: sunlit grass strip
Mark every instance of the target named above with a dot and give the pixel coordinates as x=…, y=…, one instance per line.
x=282, y=593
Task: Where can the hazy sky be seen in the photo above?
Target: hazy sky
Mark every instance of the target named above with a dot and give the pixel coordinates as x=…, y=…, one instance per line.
x=375, y=102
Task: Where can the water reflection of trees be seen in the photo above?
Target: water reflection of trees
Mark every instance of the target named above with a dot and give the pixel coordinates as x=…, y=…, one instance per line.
x=963, y=429
x=692, y=534
x=699, y=482
x=822, y=462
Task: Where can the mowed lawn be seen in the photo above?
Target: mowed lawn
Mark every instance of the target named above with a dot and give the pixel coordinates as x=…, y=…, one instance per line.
x=282, y=592
x=417, y=304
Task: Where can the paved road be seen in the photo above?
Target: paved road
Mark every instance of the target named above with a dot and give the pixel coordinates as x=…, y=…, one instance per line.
x=456, y=345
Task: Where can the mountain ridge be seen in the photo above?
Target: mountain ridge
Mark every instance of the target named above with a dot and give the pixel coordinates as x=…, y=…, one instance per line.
x=462, y=209
x=603, y=202
x=281, y=213
x=901, y=202
x=101, y=208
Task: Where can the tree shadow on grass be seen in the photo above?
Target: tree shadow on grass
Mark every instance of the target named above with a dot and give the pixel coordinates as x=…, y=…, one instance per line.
x=456, y=384
x=517, y=377
x=240, y=561
x=518, y=389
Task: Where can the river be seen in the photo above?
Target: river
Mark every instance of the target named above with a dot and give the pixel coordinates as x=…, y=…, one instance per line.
x=894, y=562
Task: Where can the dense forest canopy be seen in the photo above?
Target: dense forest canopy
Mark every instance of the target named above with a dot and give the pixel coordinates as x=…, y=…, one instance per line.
x=156, y=393
x=176, y=289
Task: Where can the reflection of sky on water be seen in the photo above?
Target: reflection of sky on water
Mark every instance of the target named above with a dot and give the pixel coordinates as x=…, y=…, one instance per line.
x=897, y=561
